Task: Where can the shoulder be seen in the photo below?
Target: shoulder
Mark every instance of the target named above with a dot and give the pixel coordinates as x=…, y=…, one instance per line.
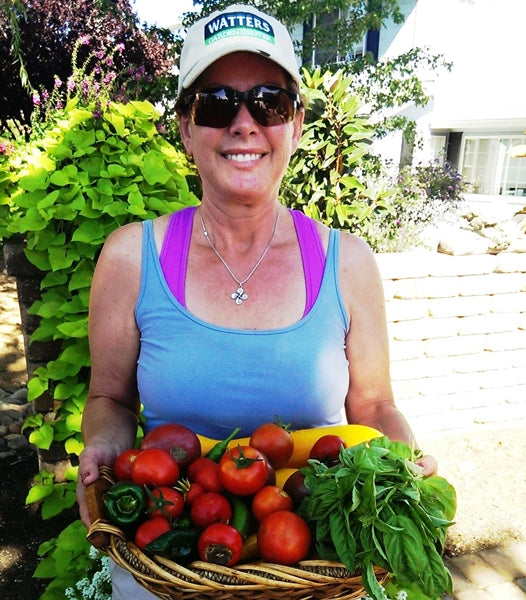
x=355, y=251
x=126, y=241
x=123, y=244
x=359, y=275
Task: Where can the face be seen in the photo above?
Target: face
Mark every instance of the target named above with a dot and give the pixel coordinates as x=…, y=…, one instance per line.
x=243, y=160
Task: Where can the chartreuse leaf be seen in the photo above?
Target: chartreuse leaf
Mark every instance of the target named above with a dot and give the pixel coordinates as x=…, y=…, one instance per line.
x=42, y=437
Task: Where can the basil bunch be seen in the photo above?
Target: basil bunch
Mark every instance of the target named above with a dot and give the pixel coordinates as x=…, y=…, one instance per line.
x=376, y=508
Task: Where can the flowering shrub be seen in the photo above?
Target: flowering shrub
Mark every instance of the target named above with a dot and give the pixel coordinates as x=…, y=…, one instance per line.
x=422, y=196
x=94, y=81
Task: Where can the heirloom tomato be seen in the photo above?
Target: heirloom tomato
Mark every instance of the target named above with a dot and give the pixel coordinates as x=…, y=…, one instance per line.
x=296, y=488
x=327, y=448
x=270, y=499
x=150, y=530
x=275, y=441
x=205, y=472
x=123, y=464
x=283, y=538
x=220, y=544
x=165, y=502
x=180, y=441
x=243, y=470
x=209, y=508
x=154, y=468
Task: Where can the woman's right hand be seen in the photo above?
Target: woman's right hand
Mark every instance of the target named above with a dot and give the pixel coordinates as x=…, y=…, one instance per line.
x=91, y=458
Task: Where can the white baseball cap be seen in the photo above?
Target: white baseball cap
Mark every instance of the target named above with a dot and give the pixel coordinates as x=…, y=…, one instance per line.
x=237, y=28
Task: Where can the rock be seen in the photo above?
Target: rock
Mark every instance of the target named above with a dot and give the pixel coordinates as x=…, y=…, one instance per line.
x=16, y=441
x=478, y=233
x=19, y=397
x=459, y=242
x=15, y=428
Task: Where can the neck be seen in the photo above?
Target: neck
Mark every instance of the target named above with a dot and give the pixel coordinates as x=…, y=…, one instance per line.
x=239, y=230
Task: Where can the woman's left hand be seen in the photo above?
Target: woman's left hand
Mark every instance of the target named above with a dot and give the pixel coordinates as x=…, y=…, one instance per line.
x=428, y=464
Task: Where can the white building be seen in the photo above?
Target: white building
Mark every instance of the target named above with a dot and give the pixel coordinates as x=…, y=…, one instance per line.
x=477, y=116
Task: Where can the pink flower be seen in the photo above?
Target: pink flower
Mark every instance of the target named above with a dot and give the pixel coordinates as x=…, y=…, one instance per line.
x=36, y=99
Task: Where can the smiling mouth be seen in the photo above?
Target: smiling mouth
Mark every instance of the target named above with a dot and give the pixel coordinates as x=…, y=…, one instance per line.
x=243, y=157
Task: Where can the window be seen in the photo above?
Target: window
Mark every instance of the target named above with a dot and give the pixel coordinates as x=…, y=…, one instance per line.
x=488, y=166
x=330, y=55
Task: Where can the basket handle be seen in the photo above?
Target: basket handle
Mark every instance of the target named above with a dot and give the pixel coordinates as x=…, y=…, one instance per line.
x=98, y=532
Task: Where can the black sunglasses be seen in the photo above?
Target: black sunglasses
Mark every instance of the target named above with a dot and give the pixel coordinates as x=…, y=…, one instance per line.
x=217, y=107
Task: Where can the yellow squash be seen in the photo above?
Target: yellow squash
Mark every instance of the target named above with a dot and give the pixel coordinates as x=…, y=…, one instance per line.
x=304, y=440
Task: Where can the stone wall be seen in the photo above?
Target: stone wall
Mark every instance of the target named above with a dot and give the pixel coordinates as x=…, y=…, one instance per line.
x=457, y=329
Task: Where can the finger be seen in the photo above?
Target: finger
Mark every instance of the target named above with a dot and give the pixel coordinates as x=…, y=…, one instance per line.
x=429, y=465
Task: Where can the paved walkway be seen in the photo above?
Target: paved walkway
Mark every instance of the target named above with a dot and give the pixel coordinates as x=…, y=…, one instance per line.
x=495, y=574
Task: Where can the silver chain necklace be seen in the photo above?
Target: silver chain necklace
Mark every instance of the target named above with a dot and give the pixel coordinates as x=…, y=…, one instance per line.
x=240, y=295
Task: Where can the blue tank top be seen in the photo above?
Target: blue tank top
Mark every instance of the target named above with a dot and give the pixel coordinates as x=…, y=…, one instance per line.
x=213, y=379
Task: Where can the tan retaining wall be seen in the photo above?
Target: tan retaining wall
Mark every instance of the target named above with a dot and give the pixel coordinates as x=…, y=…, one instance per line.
x=457, y=328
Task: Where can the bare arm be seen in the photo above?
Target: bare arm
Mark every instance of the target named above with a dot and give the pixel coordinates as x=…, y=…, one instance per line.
x=109, y=421
x=370, y=398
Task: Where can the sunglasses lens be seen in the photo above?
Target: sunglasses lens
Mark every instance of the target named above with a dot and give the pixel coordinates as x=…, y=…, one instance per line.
x=214, y=108
x=271, y=106
x=218, y=107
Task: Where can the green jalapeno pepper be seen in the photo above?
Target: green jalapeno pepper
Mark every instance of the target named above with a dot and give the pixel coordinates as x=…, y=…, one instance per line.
x=125, y=503
x=179, y=545
x=216, y=452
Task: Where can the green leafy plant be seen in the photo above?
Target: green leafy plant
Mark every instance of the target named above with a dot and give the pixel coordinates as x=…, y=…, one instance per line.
x=65, y=560
x=91, y=172
x=376, y=508
x=325, y=178
x=87, y=176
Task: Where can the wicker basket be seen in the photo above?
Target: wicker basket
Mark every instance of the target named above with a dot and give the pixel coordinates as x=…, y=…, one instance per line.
x=310, y=579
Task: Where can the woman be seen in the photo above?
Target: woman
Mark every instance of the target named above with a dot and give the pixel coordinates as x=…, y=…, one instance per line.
x=239, y=310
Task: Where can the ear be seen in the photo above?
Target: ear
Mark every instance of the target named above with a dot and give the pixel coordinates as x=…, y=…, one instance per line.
x=185, y=131
x=298, y=130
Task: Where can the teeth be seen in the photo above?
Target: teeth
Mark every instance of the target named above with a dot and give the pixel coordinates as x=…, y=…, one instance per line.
x=243, y=157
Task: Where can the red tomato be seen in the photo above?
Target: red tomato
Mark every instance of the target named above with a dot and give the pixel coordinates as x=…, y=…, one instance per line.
x=283, y=538
x=275, y=442
x=220, y=544
x=149, y=530
x=193, y=491
x=182, y=443
x=205, y=472
x=168, y=503
x=270, y=499
x=155, y=468
x=326, y=449
x=123, y=464
x=243, y=470
x=209, y=508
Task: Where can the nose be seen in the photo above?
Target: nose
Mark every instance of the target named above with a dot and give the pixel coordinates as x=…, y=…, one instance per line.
x=243, y=123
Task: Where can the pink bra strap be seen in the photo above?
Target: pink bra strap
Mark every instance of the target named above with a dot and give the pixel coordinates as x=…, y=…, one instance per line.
x=174, y=253
x=312, y=255
x=176, y=243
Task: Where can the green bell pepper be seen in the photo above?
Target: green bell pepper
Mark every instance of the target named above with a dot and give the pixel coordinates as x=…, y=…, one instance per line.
x=125, y=503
